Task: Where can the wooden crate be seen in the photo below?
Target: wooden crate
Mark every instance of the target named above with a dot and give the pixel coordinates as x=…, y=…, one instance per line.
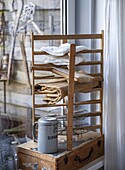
x=82, y=153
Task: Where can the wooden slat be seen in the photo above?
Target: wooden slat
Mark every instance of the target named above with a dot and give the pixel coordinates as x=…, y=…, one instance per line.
x=40, y=53
x=96, y=89
x=90, y=114
x=88, y=127
x=38, y=66
x=88, y=102
x=96, y=74
x=91, y=51
x=61, y=37
x=70, y=96
x=83, y=51
x=91, y=63
x=44, y=65
x=41, y=68
x=78, y=115
x=47, y=105
x=42, y=77
x=101, y=92
x=64, y=104
x=49, y=67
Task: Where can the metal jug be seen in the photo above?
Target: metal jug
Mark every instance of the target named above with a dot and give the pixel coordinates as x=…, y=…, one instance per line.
x=47, y=134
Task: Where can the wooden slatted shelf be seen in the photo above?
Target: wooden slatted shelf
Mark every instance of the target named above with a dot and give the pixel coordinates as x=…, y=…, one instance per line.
x=51, y=68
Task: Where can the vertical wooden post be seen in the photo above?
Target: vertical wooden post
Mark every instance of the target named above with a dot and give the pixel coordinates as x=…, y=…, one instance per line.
x=64, y=40
x=101, y=91
x=33, y=91
x=70, y=97
x=4, y=84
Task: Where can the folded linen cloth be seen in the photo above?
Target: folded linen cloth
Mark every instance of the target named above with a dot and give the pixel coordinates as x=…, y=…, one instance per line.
x=54, y=92
x=60, y=55
x=62, y=60
x=61, y=50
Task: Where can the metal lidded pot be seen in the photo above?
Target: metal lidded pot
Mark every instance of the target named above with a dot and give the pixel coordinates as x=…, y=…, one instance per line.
x=47, y=134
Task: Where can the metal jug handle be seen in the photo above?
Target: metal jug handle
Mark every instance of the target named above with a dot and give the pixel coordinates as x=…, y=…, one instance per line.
x=34, y=134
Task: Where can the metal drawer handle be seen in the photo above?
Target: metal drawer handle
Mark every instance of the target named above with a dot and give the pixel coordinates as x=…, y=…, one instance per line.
x=78, y=159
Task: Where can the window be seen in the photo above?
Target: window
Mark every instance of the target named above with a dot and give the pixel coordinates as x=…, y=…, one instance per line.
x=41, y=17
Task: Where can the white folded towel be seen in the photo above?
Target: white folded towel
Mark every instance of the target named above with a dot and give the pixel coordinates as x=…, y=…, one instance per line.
x=64, y=60
x=61, y=50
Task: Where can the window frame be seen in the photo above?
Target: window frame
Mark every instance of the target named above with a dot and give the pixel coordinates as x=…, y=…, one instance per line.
x=67, y=16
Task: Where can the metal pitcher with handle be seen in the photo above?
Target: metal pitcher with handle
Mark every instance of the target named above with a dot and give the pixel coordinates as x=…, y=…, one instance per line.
x=47, y=134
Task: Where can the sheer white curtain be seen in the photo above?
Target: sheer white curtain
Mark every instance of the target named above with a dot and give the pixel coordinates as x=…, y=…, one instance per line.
x=114, y=85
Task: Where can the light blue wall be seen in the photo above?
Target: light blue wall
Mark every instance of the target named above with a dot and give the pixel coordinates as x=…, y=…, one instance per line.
x=83, y=16
x=89, y=16
x=83, y=26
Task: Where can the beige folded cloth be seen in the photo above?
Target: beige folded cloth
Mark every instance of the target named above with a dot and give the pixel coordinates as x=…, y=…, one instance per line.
x=54, y=92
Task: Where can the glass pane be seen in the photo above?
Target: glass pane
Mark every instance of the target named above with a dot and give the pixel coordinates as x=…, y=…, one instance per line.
x=17, y=20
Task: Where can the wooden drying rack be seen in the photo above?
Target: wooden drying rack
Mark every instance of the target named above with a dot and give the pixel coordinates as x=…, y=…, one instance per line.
x=35, y=67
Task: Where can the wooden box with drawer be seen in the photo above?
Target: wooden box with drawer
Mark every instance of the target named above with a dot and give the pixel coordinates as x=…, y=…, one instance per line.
x=81, y=154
